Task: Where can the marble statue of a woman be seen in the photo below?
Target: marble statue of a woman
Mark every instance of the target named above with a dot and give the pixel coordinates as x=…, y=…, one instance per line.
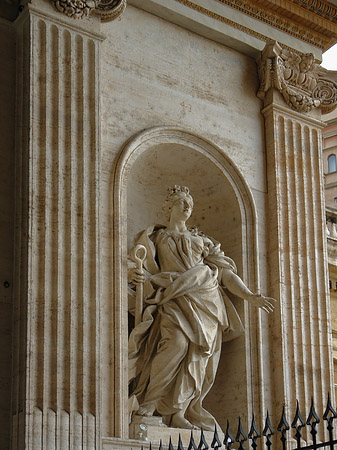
x=174, y=351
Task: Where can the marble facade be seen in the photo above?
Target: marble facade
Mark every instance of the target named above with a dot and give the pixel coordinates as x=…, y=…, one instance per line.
x=104, y=110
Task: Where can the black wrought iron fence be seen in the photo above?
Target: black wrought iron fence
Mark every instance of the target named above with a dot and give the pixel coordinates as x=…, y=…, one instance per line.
x=291, y=436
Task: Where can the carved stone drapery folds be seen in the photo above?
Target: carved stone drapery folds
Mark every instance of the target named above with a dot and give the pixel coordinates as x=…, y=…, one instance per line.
x=303, y=84
x=77, y=9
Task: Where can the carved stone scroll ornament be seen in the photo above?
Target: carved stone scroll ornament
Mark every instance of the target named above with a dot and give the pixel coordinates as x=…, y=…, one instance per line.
x=77, y=9
x=303, y=83
x=110, y=9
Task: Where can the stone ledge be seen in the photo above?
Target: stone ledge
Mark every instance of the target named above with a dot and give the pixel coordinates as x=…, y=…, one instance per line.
x=146, y=430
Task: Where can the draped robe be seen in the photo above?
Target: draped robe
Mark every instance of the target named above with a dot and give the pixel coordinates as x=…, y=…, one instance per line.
x=174, y=351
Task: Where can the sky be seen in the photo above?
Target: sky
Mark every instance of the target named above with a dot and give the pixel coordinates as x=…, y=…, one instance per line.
x=330, y=58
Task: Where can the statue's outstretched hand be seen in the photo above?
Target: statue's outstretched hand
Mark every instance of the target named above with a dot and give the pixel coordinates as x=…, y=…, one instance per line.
x=265, y=303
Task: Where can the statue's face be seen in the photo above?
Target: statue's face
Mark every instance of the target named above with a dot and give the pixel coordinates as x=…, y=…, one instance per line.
x=182, y=208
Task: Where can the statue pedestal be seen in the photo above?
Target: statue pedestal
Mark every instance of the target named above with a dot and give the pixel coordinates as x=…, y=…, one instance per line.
x=152, y=429
x=147, y=428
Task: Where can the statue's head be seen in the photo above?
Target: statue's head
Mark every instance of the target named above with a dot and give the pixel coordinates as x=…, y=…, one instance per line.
x=174, y=195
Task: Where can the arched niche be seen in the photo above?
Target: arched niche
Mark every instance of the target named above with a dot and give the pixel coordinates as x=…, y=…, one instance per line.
x=224, y=209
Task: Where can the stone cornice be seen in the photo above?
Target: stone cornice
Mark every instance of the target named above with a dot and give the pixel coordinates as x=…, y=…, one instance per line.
x=303, y=84
x=322, y=8
x=222, y=19
x=297, y=18
x=292, y=24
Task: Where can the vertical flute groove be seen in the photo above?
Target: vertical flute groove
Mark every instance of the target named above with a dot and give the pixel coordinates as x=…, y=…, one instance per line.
x=79, y=257
x=288, y=171
x=295, y=150
x=39, y=238
x=67, y=222
x=54, y=183
x=25, y=306
x=321, y=269
x=45, y=206
x=315, y=269
x=59, y=145
x=304, y=277
x=92, y=199
x=285, y=264
x=61, y=234
x=73, y=275
x=310, y=257
x=86, y=214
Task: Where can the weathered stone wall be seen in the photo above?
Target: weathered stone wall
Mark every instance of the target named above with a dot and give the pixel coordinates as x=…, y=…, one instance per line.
x=7, y=205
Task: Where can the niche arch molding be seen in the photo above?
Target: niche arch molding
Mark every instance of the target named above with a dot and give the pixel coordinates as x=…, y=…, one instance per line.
x=128, y=156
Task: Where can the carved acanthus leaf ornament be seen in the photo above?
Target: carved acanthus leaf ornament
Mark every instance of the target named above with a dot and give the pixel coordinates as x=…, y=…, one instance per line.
x=303, y=83
x=77, y=9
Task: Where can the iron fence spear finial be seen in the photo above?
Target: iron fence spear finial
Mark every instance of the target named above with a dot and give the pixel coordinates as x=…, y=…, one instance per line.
x=216, y=443
x=253, y=433
x=228, y=439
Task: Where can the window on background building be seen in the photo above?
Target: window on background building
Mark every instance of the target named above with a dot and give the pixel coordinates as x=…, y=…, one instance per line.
x=332, y=167
x=335, y=200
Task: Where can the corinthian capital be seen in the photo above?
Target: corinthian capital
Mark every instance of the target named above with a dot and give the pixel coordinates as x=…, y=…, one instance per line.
x=303, y=83
x=107, y=9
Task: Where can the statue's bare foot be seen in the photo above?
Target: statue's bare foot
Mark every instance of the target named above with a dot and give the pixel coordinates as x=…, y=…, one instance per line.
x=146, y=410
x=179, y=421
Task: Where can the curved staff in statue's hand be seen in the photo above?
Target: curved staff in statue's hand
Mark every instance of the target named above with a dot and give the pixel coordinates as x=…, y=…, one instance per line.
x=138, y=254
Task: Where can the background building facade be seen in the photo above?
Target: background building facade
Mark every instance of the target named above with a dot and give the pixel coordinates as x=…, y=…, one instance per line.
x=329, y=157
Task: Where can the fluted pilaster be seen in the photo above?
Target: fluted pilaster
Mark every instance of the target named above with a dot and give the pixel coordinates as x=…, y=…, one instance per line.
x=297, y=248
x=56, y=392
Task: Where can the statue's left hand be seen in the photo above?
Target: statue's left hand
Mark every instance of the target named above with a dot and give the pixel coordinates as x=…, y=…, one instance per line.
x=265, y=303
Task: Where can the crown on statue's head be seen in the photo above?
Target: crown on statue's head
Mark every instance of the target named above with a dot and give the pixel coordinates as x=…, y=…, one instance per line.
x=176, y=189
